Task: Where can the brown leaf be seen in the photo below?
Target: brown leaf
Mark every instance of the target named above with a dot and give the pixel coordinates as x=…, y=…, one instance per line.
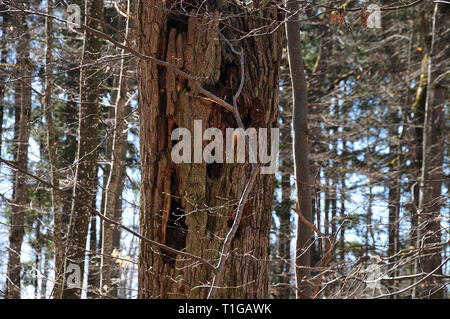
x=333, y=17
x=341, y=17
x=363, y=15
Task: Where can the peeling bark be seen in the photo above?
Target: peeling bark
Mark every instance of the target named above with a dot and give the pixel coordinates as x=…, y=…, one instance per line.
x=187, y=205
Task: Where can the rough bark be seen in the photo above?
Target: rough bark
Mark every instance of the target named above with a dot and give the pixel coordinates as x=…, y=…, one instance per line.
x=189, y=206
x=86, y=165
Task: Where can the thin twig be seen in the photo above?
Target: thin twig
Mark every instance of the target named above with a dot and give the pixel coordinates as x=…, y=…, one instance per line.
x=248, y=187
x=330, y=245
x=92, y=209
x=417, y=283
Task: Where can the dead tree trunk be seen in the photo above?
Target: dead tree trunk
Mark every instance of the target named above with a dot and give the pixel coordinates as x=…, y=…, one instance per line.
x=190, y=206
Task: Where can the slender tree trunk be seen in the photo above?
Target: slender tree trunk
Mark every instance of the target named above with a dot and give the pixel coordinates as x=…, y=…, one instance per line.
x=52, y=155
x=3, y=53
x=116, y=234
x=335, y=171
x=342, y=214
x=394, y=68
x=370, y=235
x=115, y=179
x=187, y=206
x=23, y=100
x=285, y=237
x=316, y=97
x=394, y=184
x=432, y=160
x=68, y=146
x=394, y=188
x=301, y=150
x=45, y=276
x=93, y=278
x=88, y=134
x=334, y=197
x=327, y=206
x=37, y=255
x=286, y=169
x=418, y=108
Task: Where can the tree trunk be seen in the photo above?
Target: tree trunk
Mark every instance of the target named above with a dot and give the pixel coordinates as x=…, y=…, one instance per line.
x=45, y=275
x=86, y=168
x=301, y=150
x=327, y=206
x=342, y=215
x=68, y=147
x=52, y=155
x=189, y=206
x=284, y=237
x=23, y=101
x=394, y=184
x=394, y=187
x=115, y=179
x=93, y=278
x=3, y=53
x=433, y=153
x=283, y=271
x=394, y=69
